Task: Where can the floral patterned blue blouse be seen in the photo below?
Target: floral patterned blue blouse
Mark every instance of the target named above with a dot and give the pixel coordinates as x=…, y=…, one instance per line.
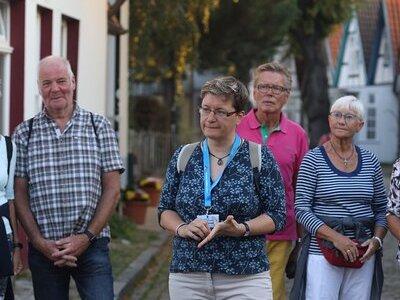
x=236, y=194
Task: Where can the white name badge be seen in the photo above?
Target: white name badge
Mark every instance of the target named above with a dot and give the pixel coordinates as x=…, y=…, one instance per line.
x=211, y=220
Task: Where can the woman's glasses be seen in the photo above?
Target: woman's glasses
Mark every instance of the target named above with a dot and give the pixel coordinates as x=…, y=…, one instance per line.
x=348, y=118
x=219, y=113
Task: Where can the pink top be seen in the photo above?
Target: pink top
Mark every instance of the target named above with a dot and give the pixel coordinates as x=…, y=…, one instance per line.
x=288, y=144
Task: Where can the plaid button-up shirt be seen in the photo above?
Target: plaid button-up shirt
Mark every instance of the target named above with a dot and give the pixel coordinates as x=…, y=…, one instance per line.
x=64, y=170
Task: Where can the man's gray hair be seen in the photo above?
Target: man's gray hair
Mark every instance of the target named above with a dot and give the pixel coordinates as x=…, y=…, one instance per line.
x=350, y=103
x=60, y=58
x=273, y=67
x=228, y=87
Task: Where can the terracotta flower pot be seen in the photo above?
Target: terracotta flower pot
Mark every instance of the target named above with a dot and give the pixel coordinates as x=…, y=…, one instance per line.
x=136, y=211
x=154, y=194
x=152, y=187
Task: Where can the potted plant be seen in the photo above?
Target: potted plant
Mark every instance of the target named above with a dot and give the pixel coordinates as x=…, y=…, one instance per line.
x=135, y=205
x=152, y=186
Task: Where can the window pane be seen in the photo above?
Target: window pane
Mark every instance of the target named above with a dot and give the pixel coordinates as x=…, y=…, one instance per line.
x=371, y=123
x=3, y=20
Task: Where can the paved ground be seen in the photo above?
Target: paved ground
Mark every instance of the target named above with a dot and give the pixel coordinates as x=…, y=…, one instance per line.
x=157, y=288
x=23, y=284
x=24, y=291
x=154, y=285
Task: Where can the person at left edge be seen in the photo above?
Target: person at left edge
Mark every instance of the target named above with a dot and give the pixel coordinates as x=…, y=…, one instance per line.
x=67, y=184
x=10, y=256
x=213, y=207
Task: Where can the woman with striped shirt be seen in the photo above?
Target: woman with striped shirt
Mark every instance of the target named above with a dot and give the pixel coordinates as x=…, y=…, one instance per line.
x=341, y=202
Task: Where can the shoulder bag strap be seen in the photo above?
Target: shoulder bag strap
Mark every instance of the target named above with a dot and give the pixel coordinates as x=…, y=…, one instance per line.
x=184, y=156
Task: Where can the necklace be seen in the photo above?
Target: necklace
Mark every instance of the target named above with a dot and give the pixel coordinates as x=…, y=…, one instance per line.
x=345, y=160
x=220, y=160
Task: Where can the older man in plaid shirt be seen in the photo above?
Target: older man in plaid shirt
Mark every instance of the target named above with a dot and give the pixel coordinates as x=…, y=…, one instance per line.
x=66, y=188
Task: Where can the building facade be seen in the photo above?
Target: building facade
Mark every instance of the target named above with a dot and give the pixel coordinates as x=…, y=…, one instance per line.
x=363, y=60
x=78, y=30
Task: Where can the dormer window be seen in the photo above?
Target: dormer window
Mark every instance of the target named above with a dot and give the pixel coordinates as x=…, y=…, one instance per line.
x=354, y=57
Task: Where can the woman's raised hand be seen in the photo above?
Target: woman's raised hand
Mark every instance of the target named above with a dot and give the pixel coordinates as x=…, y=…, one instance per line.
x=229, y=227
x=196, y=230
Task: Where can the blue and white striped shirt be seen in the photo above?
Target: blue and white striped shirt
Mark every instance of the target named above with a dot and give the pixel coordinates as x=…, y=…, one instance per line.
x=324, y=190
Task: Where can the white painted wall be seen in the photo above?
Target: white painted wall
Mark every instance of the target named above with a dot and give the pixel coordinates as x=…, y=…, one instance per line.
x=384, y=66
x=124, y=90
x=92, y=16
x=386, y=105
x=111, y=68
x=352, y=71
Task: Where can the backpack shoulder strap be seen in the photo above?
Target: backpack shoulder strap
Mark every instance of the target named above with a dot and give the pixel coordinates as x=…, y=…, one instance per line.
x=93, y=124
x=30, y=124
x=255, y=160
x=255, y=155
x=94, y=127
x=9, y=148
x=184, y=156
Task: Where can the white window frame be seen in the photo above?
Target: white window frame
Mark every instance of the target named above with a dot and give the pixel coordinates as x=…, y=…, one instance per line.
x=38, y=98
x=64, y=36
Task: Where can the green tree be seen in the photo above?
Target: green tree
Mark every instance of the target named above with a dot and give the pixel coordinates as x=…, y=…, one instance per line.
x=165, y=36
x=312, y=23
x=244, y=33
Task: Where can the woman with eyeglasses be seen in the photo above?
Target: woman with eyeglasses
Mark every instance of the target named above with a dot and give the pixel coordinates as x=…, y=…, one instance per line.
x=220, y=197
x=341, y=202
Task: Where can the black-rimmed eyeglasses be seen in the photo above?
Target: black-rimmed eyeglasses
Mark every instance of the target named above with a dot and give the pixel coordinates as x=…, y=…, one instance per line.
x=275, y=89
x=219, y=113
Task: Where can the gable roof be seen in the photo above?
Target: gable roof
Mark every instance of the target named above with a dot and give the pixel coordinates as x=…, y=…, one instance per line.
x=393, y=21
x=334, y=42
x=368, y=17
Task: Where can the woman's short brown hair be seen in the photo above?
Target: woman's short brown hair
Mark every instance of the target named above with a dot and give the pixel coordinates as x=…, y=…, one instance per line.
x=228, y=87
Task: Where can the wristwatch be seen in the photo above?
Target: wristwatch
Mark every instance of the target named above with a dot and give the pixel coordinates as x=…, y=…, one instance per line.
x=90, y=236
x=247, y=232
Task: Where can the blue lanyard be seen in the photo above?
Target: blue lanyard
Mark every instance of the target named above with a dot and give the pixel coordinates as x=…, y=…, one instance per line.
x=208, y=187
x=264, y=133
